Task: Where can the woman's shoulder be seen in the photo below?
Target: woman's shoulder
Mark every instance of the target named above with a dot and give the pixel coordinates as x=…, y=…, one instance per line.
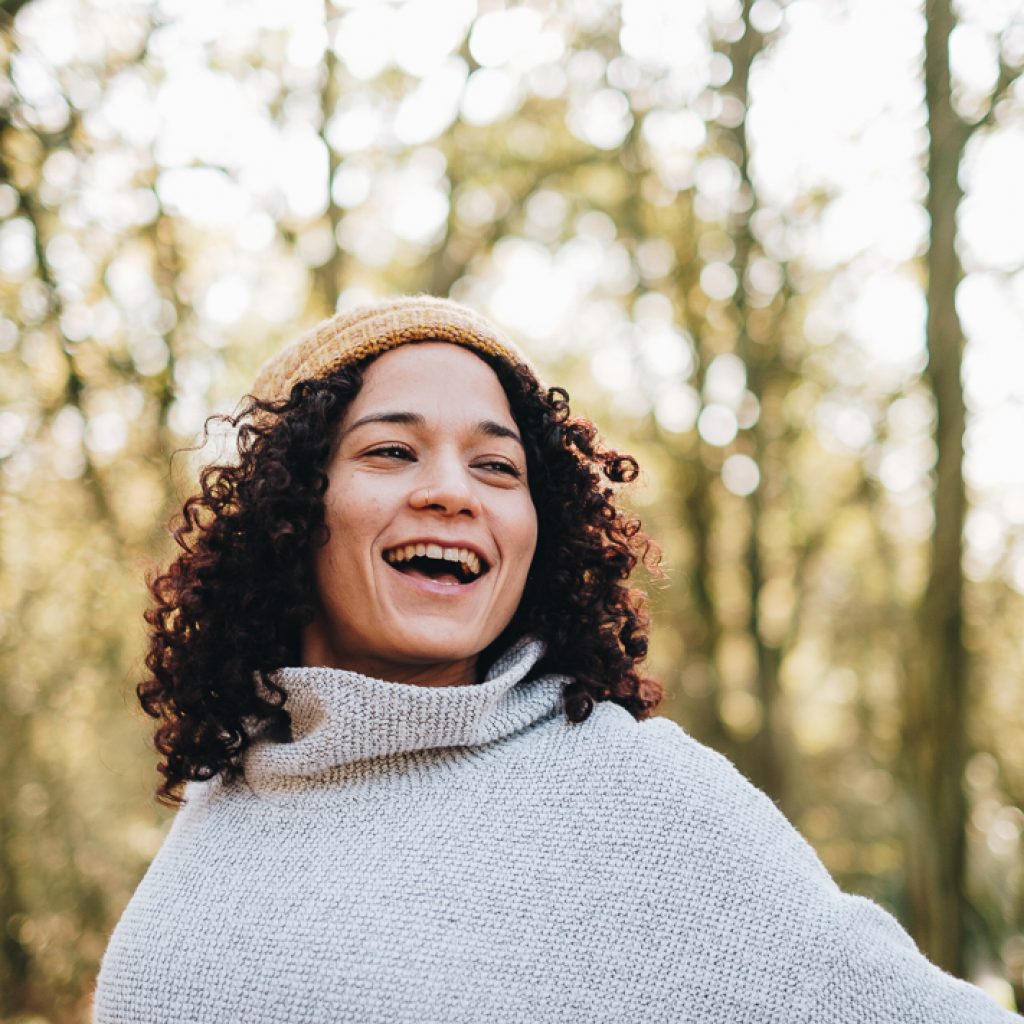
x=711, y=832
x=661, y=753
x=692, y=792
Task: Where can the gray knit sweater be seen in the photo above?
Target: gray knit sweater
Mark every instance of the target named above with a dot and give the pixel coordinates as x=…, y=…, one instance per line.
x=464, y=854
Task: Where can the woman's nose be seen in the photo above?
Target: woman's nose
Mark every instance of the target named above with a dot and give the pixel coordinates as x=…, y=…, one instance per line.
x=448, y=491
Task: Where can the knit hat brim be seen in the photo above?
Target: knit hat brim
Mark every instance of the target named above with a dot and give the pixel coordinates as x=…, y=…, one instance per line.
x=366, y=332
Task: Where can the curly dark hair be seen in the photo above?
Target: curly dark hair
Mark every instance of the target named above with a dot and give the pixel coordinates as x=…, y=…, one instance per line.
x=231, y=608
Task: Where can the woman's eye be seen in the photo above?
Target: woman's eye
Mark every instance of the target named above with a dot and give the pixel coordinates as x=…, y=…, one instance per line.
x=391, y=451
x=500, y=467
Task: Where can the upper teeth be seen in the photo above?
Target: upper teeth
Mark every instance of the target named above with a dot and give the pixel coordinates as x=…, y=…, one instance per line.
x=402, y=554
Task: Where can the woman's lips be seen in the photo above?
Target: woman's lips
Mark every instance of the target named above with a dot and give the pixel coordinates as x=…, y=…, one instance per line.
x=466, y=556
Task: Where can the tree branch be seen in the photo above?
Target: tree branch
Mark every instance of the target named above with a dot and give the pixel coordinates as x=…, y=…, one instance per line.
x=1008, y=75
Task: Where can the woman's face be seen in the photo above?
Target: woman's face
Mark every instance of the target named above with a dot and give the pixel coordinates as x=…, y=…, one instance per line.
x=432, y=528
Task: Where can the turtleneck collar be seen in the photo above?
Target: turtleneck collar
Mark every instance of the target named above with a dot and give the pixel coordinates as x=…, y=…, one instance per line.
x=340, y=717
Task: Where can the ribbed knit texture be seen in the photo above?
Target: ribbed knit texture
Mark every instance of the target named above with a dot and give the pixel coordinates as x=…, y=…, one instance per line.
x=464, y=854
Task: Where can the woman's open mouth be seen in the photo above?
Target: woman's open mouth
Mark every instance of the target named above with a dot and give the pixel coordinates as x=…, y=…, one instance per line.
x=451, y=566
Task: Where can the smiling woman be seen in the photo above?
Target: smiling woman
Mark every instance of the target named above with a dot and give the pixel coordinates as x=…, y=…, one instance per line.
x=396, y=668
x=411, y=422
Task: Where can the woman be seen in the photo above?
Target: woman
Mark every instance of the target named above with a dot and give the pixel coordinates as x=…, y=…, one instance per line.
x=397, y=666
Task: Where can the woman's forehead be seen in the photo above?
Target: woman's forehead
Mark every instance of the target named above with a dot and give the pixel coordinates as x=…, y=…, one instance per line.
x=431, y=378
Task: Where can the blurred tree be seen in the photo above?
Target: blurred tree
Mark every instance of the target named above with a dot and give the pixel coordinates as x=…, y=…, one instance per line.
x=937, y=673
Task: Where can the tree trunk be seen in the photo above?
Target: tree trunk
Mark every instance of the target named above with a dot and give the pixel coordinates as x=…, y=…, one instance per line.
x=328, y=276
x=765, y=762
x=14, y=957
x=936, y=680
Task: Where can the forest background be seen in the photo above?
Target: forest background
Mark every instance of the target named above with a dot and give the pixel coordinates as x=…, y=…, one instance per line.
x=776, y=249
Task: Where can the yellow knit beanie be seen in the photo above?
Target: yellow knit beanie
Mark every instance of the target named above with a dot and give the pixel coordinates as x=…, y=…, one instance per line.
x=367, y=331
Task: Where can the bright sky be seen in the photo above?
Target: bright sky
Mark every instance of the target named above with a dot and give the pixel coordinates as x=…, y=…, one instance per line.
x=836, y=110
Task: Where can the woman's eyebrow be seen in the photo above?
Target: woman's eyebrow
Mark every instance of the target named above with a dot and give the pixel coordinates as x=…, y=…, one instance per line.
x=413, y=419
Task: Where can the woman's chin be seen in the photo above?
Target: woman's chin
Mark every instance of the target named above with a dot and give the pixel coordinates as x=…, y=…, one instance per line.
x=426, y=654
